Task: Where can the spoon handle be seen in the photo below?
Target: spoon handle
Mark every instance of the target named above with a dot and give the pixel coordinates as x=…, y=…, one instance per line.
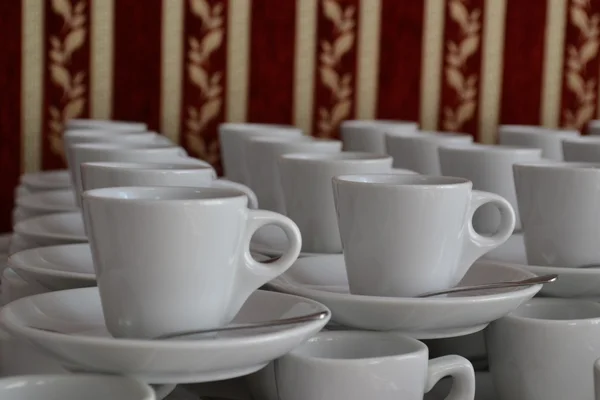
x=497, y=285
x=278, y=322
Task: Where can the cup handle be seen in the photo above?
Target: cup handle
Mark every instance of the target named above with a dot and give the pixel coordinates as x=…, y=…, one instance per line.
x=460, y=369
x=253, y=274
x=477, y=245
x=224, y=183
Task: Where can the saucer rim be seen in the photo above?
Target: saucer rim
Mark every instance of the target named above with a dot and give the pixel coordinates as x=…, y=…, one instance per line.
x=19, y=202
x=13, y=261
x=276, y=284
x=230, y=342
x=38, y=179
x=45, y=234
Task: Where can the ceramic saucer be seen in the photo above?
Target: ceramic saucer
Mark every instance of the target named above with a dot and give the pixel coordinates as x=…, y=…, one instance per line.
x=46, y=180
x=272, y=242
x=49, y=202
x=324, y=279
x=62, y=267
x=49, y=230
x=571, y=282
x=84, y=344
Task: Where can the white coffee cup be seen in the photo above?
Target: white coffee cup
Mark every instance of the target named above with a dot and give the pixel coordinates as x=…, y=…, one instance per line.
x=74, y=386
x=369, y=135
x=537, y=137
x=172, y=259
x=262, y=164
x=81, y=123
x=419, y=151
x=184, y=174
x=368, y=365
x=232, y=138
x=582, y=149
x=558, y=203
x=404, y=235
x=546, y=350
x=306, y=183
x=489, y=167
x=593, y=127
x=121, y=152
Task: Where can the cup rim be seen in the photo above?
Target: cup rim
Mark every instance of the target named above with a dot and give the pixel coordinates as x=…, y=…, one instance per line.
x=278, y=139
x=551, y=303
x=378, y=123
x=183, y=195
x=534, y=130
x=126, y=146
x=433, y=136
x=174, y=166
x=492, y=149
x=75, y=133
x=587, y=140
x=420, y=347
x=250, y=126
x=341, y=157
x=545, y=164
x=401, y=181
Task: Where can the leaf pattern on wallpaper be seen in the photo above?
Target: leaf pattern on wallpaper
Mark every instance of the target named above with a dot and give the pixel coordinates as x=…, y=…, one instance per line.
x=580, y=82
x=456, y=74
x=207, y=82
x=71, y=38
x=331, y=75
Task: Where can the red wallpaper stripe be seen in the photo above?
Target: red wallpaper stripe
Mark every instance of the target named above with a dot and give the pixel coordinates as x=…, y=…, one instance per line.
x=66, y=73
x=137, y=61
x=524, y=41
x=10, y=107
x=272, y=50
x=400, y=59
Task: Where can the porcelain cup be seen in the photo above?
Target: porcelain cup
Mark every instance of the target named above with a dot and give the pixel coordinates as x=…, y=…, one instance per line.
x=558, y=203
x=369, y=135
x=100, y=175
x=545, y=350
x=537, y=137
x=405, y=235
x=582, y=149
x=232, y=137
x=418, y=151
x=306, y=183
x=262, y=156
x=489, y=167
x=173, y=259
x=121, y=152
x=368, y=365
x=85, y=123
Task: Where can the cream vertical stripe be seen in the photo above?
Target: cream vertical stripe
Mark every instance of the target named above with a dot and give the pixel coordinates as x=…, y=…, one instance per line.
x=369, y=27
x=431, y=63
x=556, y=20
x=101, y=68
x=172, y=64
x=304, y=68
x=32, y=60
x=491, y=68
x=238, y=60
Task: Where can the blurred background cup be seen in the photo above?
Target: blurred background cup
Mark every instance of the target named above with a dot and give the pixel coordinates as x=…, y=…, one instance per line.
x=369, y=135
x=582, y=149
x=537, y=137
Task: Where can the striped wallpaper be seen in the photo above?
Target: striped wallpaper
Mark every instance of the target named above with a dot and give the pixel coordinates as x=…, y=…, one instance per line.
x=184, y=66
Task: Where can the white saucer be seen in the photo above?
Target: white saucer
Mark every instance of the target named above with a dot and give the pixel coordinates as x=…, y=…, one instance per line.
x=324, y=279
x=571, y=282
x=49, y=230
x=62, y=267
x=46, y=180
x=85, y=345
x=48, y=202
x=271, y=241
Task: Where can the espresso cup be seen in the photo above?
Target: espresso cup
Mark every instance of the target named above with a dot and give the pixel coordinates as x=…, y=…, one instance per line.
x=489, y=167
x=545, y=350
x=262, y=156
x=369, y=135
x=184, y=174
x=405, y=235
x=537, y=137
x=558, y=203
x=121, y=152
x=368, y=365
x=232, y=138
x=306, y=183
x=582, y=149
x=172, y=259
x=419, y=151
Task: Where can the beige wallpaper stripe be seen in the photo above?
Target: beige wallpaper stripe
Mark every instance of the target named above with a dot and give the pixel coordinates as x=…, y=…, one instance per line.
x=304, y=68
x=101, y=63
x=368, y=58
x=238, y=60
x=32, y=84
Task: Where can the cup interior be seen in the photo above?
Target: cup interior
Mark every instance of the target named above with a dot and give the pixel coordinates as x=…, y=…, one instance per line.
x=163, y=193
x=558, y=310
x=336, y=157
x=400, y=180
x=124, y=145
x=175, y=166
x=357, y=346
